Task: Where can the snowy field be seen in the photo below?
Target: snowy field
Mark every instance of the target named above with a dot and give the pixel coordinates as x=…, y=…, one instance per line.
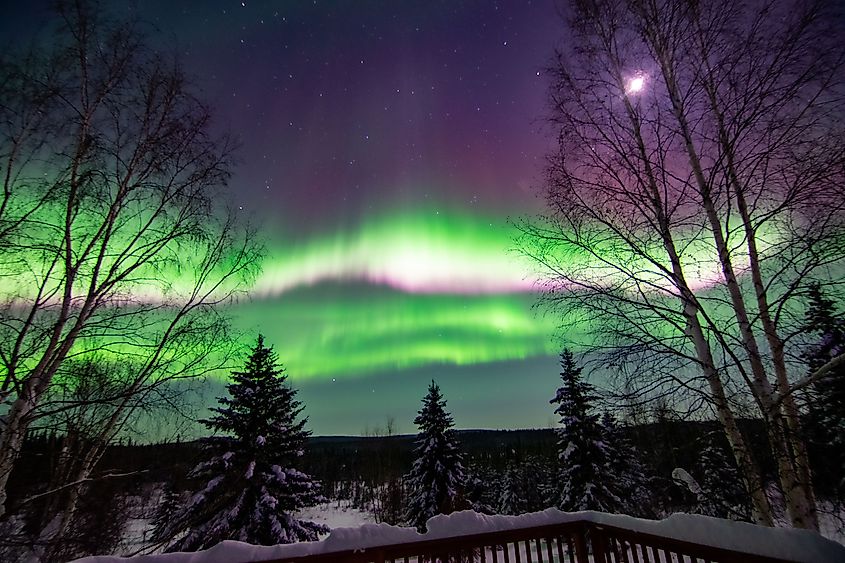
x=335, y=514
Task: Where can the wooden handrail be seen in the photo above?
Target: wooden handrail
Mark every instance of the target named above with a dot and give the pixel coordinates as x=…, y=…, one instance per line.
x=646, y=547
x=570, y=542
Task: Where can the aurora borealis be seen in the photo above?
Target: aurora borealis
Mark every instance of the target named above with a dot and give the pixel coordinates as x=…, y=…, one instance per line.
x=424, y=250
x=384, y=147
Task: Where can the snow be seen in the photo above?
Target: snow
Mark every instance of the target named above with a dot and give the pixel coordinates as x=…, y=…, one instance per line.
x=336, y=515
x=682, y=475
x=797, y=545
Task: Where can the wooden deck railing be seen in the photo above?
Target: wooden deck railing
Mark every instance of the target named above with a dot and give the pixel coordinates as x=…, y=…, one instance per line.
x=571, y=542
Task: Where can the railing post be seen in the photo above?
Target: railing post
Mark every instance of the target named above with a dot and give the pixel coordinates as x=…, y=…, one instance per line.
x=598, y=541
x=581, y=554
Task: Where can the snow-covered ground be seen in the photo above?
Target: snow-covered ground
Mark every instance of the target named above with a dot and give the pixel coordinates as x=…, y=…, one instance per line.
x=336, y=514
x=136, y=536
x=831, y=522
x=791, y=544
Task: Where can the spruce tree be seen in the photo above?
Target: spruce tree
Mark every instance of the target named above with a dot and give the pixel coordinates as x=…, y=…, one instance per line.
x=627, y=477
x=511, y=495
x=436, y=481
x=722, y=494
x=481, y=492
x=825, y=424
x=253, y=488
x=582, y=482
x=538, y=478
x=171, y=501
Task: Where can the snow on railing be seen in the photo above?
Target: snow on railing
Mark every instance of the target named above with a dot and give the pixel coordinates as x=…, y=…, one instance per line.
x=550, y=536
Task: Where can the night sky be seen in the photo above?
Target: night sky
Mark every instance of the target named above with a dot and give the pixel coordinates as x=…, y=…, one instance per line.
x=384, y=145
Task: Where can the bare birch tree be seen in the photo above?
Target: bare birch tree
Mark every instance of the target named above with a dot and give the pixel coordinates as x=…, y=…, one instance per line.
x=116, y=236
x=697, y=193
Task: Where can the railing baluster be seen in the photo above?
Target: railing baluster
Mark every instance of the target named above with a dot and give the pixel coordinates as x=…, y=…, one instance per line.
x=634, y=553
x=560, y=548
x=549, y=552
x=644, y=553
x=623, y=548
x=610, y=553
x=655, y=554
x=538, y=544
x=610, y=550
x=622, y=551
x=570, y=549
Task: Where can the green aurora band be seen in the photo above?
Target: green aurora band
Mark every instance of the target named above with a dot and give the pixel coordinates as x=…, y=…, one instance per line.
x=422, y=287
x=430, y=286
x=335, y=330
x=427, y=249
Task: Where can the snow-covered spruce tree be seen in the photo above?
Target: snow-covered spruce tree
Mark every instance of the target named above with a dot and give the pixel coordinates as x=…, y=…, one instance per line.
x=538, y=477
x=171, y=501
x=722, y=493
x=582, y=479
x=511, y=495
x=481, y=491
x=628, y=477
x=436, y=481
x=826, y=398
x=252, y=489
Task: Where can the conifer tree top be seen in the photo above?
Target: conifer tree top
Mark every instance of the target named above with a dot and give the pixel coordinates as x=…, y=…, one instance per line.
x=821, y=316
x=261, y=409
x=433, y=416
x=574, y=397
